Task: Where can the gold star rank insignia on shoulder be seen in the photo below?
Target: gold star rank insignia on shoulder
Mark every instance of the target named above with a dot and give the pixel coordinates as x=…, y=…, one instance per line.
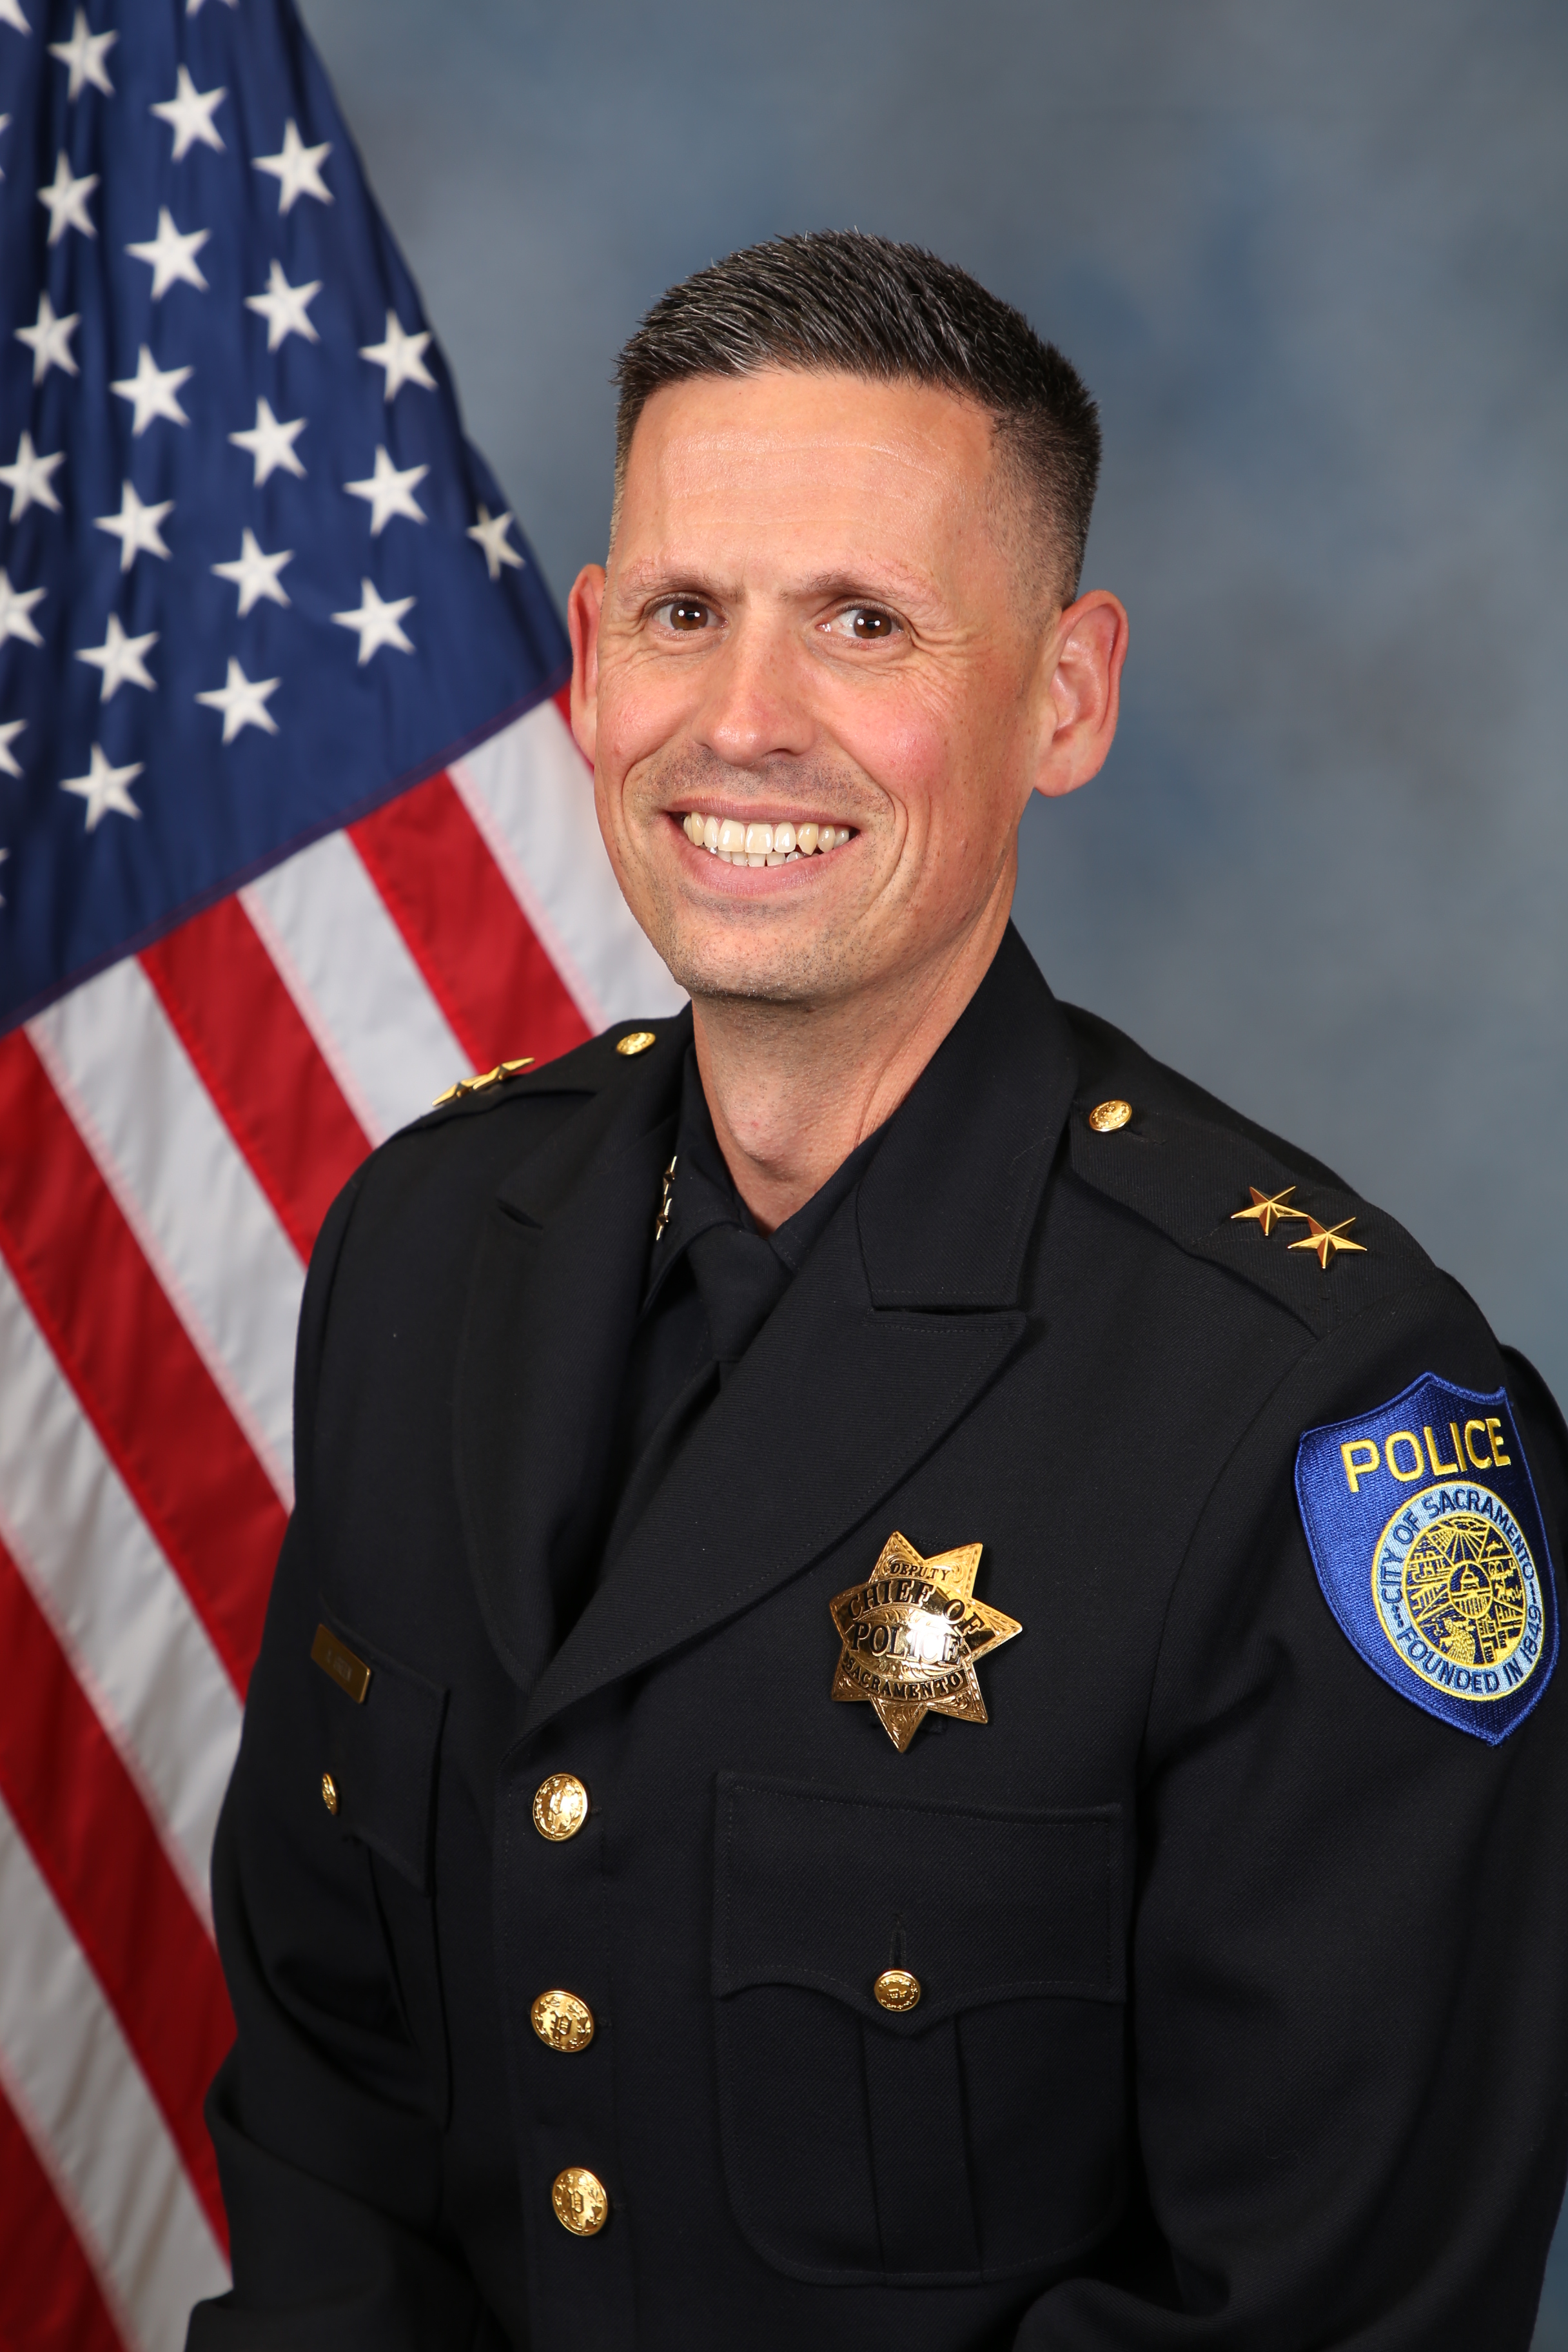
x=912, y=1635
x=1267, y=1209
x=1327, y=1240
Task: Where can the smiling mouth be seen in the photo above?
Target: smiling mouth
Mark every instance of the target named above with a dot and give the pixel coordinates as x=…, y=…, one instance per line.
x=761, y=844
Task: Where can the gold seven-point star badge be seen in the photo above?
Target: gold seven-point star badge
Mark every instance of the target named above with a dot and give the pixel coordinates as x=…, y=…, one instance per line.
x=912, y=1635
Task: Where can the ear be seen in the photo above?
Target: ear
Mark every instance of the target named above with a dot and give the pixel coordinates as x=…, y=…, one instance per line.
x=582, y=609
x=1084, y=654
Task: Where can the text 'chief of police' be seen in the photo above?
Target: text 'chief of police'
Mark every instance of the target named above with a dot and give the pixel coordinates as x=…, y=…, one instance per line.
x=910, y=1701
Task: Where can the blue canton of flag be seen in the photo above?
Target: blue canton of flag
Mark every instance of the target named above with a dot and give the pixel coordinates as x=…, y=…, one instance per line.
x=253, y=580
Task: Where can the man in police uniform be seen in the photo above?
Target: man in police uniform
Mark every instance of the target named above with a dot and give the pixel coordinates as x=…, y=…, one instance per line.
x=911, y=1700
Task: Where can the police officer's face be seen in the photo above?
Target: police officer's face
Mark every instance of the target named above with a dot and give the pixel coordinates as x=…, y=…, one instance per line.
x=816, y=615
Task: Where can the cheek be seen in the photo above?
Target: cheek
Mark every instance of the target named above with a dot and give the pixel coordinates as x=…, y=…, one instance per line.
x=903, y=739
x=641, y=707
x=937, y=755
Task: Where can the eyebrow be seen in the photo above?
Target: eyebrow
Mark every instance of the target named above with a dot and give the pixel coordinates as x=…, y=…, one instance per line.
x=897, y=585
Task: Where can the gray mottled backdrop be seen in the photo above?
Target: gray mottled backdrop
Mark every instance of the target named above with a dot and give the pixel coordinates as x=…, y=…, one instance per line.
x=1312, y=260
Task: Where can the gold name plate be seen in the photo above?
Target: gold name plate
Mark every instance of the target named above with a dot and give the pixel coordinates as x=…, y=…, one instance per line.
x=349, y=1674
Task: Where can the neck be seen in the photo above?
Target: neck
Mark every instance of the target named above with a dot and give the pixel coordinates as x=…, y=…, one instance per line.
x=793, y=1088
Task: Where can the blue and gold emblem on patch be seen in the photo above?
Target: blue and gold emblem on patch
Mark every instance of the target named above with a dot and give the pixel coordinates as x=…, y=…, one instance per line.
x=1427, y=1539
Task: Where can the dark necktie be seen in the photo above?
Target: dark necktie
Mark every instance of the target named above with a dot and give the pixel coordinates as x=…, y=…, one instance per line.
x=739, y=1279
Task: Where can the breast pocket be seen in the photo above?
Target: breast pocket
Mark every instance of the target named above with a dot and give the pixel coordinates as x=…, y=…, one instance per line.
x=383, y=1754
x=974, y=2135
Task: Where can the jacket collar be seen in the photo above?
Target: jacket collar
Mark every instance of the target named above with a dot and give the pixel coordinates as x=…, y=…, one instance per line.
x=908, y=1306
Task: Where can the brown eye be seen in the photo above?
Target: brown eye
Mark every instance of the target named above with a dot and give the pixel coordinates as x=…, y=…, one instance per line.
x=684, y=612
x=863, y=625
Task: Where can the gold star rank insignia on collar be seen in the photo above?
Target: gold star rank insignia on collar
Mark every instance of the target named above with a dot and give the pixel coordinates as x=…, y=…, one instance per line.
x=911, y=1637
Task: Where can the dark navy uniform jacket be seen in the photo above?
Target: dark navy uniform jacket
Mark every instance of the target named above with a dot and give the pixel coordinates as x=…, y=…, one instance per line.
x=1245, y=1977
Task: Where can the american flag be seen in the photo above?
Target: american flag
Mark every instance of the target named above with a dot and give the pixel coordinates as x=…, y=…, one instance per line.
x=292, y=834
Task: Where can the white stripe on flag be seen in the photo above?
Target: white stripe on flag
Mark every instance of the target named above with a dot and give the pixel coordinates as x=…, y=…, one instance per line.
x=531, y=794
x=187, y=1190
x=118, y=1611
x=359, y=993
x=85, y=2104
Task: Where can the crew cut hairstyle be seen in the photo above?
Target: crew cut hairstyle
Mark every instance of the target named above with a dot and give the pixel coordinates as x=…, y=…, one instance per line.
x=838, y=300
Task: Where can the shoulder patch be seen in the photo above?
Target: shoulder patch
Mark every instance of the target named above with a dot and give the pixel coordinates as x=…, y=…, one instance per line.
x=1424, y=1528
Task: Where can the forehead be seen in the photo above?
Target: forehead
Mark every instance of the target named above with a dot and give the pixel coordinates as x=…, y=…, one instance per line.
x=785, y=452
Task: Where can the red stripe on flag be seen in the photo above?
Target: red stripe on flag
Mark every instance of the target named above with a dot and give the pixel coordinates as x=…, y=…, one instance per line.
x=260, y=1063
x=464, y=928
x=132, y=1364
x=75, y=1804
x=49, y=2295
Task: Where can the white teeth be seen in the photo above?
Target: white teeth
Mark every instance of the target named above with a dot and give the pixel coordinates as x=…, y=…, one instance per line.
x=759, y=845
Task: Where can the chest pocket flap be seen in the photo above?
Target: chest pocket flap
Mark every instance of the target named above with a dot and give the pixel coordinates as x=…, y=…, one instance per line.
x=990, y=1906
x=382, y=1751
x=995, y=2103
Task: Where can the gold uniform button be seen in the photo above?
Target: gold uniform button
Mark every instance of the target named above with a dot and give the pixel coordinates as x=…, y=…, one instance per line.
x=1107, y=1117
x=329, y=1792
x=562, y=2021
x=580, y=2202
x=560, y=1807
x=896, y=1989
x=637, y=1042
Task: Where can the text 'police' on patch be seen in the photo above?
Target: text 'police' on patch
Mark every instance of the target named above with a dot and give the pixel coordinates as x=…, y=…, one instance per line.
x=1426, y=1537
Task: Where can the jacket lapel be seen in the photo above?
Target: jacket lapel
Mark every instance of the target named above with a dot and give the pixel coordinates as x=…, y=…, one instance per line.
x=553, y=1295
x=907, y=1307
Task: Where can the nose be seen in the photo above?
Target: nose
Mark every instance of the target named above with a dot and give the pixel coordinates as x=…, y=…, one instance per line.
x=756, y=705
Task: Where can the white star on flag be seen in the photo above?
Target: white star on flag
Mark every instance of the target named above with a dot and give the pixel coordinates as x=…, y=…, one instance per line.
x=51, y=340
x=403, y=357
x=254, y=574
x=243, y=701
x=489, y=533
x=136, y=526
x=104, y=788
x=390, y=492
x=270, y=444
x=28, y=479
x=194, y=7
x=189, y=114
x=16, y=611
x=66, y=200
x=153, y=392
x=119, y=659
x=283, y=307
x=9, y=763
x=84, y=53
x=172, y=255
x=296, y=169
x=11, y=14
x=377, y=622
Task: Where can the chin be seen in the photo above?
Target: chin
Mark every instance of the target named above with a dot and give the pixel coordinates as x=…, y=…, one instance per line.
x=775, y=970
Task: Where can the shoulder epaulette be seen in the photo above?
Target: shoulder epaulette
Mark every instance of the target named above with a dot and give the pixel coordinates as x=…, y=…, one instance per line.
x=583, y=1070
x=1225, y=1190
